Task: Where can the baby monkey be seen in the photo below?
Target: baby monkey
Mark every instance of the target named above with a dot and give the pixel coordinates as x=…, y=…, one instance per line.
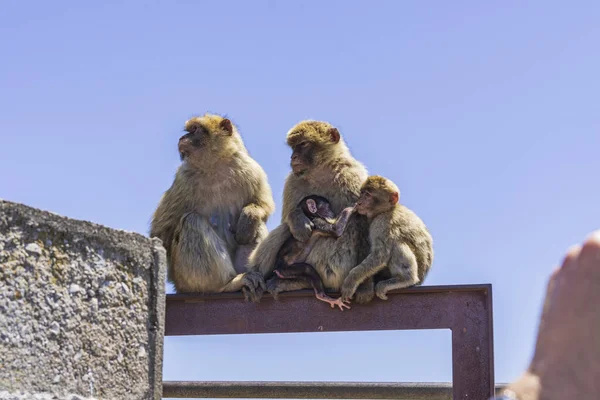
x=401, y=247
x=291, y=258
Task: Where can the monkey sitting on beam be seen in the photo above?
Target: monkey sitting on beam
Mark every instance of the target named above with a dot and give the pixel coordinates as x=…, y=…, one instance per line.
x=401, y=247
x=321, y=164
x=291, y=258
x=216, y=208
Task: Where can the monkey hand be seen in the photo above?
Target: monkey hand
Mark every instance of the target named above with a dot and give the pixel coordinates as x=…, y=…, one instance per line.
x=301, y=228
x=247, y=228
x=254, y=286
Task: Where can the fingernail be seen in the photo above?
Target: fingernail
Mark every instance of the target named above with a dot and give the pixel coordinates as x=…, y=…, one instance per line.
x=595, y=236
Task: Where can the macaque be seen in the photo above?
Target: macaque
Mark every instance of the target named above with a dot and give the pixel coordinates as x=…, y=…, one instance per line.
x=215, y=210
x=292, y=255
x=401, y=247
x=321, y=165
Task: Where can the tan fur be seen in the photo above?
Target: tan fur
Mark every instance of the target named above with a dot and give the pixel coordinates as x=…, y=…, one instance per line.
x=335, y=175
x=219, y=187
x=400, y=244
x=318, y=132
x=379, y=183
x=310, y=131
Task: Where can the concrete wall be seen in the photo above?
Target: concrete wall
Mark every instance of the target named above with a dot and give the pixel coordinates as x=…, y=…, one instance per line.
x=81, y=309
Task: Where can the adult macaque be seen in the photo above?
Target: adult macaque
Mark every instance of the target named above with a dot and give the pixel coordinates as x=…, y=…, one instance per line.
x=321, y=165
x=401, y=248
x=292, y=255
x=218, y=204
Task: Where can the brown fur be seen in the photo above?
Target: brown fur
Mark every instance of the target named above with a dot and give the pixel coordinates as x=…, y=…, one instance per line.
x=334, y=174
x=218, y=204
x=379, y=184
x=401, y=247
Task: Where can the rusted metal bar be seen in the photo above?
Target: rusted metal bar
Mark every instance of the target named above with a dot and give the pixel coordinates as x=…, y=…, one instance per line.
x=310, y=390
x=464, y=309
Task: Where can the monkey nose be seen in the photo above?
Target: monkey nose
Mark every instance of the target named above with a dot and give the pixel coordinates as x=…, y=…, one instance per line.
x=184, y=146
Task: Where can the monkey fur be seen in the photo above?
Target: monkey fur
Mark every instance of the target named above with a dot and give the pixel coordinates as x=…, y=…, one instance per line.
x=325, y=223
x=291, y=257
x=217, y=206
x=322, y=165
x=401, y=247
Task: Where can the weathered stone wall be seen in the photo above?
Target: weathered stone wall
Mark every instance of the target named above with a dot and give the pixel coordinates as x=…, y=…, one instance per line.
x=81, y=309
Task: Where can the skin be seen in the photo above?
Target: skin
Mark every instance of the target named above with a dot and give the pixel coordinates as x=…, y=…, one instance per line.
x=321, y=165
x=215, y=211
x=566, y=360
x=401, y=248
x=291, y=257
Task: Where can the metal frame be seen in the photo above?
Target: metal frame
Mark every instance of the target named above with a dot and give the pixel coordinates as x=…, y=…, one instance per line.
x=464, y=309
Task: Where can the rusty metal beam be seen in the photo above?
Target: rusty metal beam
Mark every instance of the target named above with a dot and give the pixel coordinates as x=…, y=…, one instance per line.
x=310, y=390
x=464, y=309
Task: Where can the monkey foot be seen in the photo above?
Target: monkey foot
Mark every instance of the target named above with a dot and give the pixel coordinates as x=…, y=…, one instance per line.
x=253, y=286
x=381, y=291
x=382, y=295
x=334, y=302
x=273, y=288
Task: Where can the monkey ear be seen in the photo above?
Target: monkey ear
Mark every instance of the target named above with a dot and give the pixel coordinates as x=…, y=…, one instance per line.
x=227, y=126
x=335, y=135
x=394, y=198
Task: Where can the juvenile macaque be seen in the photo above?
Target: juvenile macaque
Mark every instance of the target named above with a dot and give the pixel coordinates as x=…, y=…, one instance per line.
x=322, y=165
x=292, y=255
x=214, y=211
x=401, y=246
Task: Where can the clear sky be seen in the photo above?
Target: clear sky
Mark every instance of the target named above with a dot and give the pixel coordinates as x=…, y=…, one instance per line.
x=486, y=115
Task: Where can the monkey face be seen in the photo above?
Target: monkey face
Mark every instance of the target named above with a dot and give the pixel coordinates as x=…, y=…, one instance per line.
x=374, y=202
x=365, y=202
x=302, y=157
x=377, y=195
x=205, y=136
x=312, y=143
x=191, y=142
x=312, y=206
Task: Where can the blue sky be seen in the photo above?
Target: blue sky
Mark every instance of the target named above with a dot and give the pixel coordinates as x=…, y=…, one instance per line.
x=485, y=114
